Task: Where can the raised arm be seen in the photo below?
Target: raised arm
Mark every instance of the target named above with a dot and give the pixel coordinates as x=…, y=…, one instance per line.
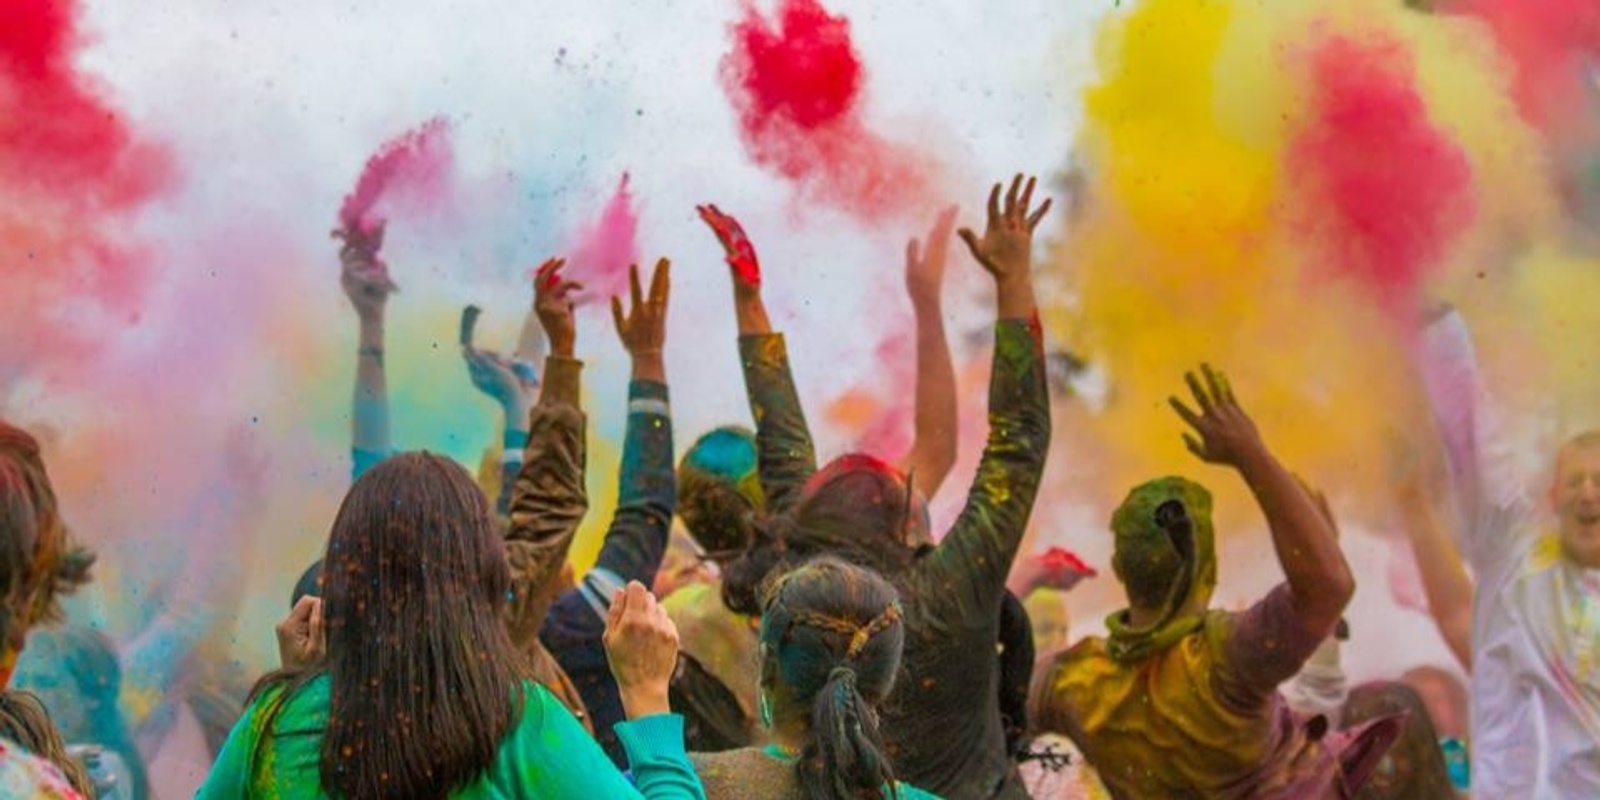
x=513, y=388
x=977, y=553
x=1488, y=486
x=366, y=282
x=786, y=456
x=1445, y=580
x=933, y=451
x=1303, y=536
x=549, y=499
x=646, y=492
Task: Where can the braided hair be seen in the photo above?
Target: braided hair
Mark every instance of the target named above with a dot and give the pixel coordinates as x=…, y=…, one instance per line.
x=831, y=638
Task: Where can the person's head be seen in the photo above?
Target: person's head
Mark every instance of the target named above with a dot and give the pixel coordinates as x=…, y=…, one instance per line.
x=24, y=720
x=1164, y=554
x=857, y=508
x=831, y=639
x=719, y=490
x=1575, y=494
x=1050, y=621
x=1413, y=768
x=425, y=681
x=38, y=560
x=1445, y=697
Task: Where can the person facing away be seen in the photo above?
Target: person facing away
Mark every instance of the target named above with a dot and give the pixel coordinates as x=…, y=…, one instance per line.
x=1535, y=641
x=1183, y=701
x=39, y=563
x=831, y=638
x=418, y=690
x=943, y=726
x=1415, y=767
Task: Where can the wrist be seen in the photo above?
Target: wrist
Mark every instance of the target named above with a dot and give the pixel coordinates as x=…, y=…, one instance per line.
x=562, y=346
x=649, y=366
x=1014, y=297
x=1255, y=462
x=644, y=701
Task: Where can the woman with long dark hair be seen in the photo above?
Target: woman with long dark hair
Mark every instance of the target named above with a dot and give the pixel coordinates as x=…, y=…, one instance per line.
x=421, y=693
x=831, y=639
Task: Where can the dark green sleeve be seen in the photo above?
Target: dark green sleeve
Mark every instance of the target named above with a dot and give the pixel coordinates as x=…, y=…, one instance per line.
x=783, y=441
x=974, y=558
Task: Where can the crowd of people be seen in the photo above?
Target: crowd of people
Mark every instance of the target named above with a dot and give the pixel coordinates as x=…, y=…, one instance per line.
x=758, y=626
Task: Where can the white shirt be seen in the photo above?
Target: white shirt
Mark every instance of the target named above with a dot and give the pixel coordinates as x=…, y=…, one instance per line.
x=1536, y=616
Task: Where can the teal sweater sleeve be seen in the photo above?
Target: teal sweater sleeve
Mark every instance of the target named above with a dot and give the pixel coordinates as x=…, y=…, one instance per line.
x=553, y=756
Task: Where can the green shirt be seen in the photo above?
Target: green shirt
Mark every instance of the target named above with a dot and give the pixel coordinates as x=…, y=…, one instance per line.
x=548, y=755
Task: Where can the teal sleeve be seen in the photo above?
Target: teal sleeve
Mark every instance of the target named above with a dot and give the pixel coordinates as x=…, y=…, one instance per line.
x=553, y=756
x=230, y=773
x=656, y=754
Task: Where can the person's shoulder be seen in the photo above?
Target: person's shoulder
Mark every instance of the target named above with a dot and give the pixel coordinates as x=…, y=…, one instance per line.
x=25, y=776
x=906, y=791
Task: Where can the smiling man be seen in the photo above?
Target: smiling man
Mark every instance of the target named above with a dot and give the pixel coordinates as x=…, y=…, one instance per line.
x=1536, y=615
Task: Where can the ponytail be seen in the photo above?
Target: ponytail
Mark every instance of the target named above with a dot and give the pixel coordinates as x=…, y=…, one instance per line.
x=845, y=759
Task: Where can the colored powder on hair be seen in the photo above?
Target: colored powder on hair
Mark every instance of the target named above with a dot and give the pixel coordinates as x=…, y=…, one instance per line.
x=410, y=171
x=796, y=83
x=1383, y=191
x=602, y=251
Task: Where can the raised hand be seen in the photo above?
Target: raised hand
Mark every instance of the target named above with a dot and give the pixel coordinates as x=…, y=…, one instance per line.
x=363, y=275
x=552, y=301
x=302, y=641
x=642, y=645
x=1006, y=249
x=493, y=375
x=643, y=330
x=1226, y=435
x=741, y=254
x=925, y=259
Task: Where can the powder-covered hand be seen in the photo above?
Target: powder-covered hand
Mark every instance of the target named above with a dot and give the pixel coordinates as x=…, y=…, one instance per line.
x=302, y=642
x=642, y=645
x=1226, y=434
x=552, y=301
x=741, y=254
x=363, y=275
x=493, y=375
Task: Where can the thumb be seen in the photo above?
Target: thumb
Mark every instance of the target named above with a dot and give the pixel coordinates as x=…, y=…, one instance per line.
x=971, y=239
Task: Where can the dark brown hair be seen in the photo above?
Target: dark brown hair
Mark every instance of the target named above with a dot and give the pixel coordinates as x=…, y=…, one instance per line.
x=425, y=682
x=857, y=508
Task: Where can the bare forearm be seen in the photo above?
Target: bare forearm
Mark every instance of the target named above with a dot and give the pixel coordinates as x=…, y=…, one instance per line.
x=1305, y=541
x=1444, y=580
x=751, y=313
x=369, y=419
x=933, y=452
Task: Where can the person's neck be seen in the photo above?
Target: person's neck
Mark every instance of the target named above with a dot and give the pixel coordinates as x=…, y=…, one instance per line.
x=789, y=739
x=1141, y=618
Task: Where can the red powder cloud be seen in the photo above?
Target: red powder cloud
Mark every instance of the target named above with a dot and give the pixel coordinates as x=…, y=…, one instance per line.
x=600, y=254
x=796, y=83
x=1547, y=42
x=1386, y=192
x=413, y=171
x=72, y=173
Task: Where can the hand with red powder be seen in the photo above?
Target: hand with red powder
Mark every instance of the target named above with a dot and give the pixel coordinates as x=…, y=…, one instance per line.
x=554, y=305
x=736, y=246
x=1056, y=568
x=364, y=276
